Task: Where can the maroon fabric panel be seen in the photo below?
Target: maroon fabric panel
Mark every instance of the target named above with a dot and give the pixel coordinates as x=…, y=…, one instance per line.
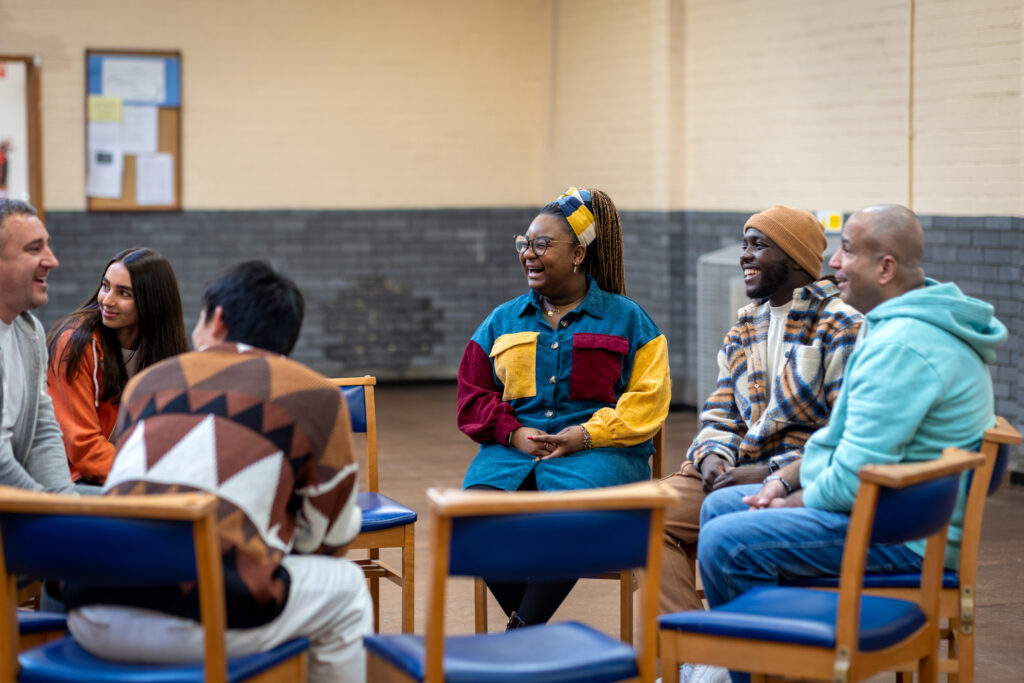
x=482, y=415
x=596, y=366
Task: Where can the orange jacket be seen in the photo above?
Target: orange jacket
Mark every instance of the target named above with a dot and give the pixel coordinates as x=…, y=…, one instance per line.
x=86, y=422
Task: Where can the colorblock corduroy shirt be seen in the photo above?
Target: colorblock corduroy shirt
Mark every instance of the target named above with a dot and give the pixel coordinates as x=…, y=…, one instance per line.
x=745, y=424
x=604, y=366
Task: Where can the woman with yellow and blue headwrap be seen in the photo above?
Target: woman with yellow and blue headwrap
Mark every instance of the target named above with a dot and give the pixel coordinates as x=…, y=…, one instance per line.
x=563, y=387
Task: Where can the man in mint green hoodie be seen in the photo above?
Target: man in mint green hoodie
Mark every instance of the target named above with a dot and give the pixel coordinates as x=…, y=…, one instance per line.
x=917, y=382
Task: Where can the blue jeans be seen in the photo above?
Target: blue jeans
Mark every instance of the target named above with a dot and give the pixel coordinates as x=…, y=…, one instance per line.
x=740, y=548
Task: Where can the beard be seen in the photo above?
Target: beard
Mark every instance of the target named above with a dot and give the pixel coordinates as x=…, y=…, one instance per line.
x=769, y=280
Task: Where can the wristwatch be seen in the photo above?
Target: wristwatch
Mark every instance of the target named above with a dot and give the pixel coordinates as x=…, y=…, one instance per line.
x=775, y=477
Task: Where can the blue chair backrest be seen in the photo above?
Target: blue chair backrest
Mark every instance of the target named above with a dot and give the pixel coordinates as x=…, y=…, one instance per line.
x=100, y=550
x=915, y=511
x=999, y=470
x=356, y=398
x=549, y=545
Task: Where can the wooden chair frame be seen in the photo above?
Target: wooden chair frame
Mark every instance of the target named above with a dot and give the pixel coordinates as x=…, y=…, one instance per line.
x=402, y=537
x=447, y=504
x=957, y=604
x=197, y=508
x=844, y=662
x=625, y=579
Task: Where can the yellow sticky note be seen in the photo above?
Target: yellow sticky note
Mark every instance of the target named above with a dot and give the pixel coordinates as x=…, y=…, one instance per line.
x=105, y=108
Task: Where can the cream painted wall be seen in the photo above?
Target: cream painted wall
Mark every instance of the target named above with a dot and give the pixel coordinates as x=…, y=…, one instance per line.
x=315, y=103
x=667, y=104
x=809, y=103
x=612, y=99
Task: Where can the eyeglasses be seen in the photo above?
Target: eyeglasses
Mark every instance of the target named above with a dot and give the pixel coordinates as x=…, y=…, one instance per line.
x=538, y=244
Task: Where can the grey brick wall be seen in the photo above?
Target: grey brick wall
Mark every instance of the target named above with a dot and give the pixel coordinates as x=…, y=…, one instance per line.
x=398, y=293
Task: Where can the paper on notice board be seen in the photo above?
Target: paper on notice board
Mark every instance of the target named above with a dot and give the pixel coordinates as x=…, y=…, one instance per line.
x=137, y=80
x=104, y=135
x=139, y=129
x=154, y=179
x=106, y=167
x=105, y=108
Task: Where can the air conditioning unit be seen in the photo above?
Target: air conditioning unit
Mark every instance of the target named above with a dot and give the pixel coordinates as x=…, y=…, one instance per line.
x=720, y=294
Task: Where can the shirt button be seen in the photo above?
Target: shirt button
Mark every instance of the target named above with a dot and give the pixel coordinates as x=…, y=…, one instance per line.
x=555, y=345
x=549, y=413
x=565, y=324
x=552, y=380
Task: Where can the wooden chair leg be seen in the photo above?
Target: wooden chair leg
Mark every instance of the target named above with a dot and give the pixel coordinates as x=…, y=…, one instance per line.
x=374, y=586
x=408, y=579
x=480, y=605
x=669, y=659
x=626, y=607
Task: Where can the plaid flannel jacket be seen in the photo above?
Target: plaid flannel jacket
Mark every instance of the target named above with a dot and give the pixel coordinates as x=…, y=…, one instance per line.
x=739, y=422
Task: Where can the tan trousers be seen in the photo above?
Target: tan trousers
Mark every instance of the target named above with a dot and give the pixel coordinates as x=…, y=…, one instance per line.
x=678, y=589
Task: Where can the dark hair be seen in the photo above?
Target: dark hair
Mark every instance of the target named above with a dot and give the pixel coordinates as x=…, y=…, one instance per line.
x=604, y=259
x=13, y=207
x=261, y=307
x=161, y=325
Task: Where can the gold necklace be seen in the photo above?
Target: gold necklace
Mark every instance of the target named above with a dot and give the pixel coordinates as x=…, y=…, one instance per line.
x=553, y=310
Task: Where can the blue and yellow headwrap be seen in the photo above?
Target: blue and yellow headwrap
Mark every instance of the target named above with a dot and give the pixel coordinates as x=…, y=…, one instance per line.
x=578, y=210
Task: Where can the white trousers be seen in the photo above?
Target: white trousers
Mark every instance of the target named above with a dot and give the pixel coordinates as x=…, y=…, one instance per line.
x=328, y=603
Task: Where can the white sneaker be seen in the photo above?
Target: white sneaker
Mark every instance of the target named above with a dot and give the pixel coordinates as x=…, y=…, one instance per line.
x=703, y=673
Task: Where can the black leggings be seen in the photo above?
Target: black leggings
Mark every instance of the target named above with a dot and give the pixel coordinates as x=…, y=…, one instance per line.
x=535, y=602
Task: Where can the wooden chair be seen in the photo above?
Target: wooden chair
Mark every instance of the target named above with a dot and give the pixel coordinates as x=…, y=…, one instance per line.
x=386, y=522
x=625, y=579
x=838, y=636
x=958, y=595
x=550, y=536
x=123, y=540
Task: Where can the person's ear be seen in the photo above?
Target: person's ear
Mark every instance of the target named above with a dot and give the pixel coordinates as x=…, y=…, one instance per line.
x=888, y=268
x=218, y=328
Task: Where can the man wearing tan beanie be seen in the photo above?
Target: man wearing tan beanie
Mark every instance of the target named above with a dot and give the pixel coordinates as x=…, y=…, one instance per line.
x=780, y=368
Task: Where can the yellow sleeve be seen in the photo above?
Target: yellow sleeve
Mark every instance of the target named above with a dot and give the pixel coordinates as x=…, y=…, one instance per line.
x=642, y=408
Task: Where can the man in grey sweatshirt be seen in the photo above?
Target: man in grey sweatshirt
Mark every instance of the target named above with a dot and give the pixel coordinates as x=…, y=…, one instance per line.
x=31, y=450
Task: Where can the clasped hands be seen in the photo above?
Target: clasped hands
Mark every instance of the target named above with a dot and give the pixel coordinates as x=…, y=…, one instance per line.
x=542, y=445
x=717, y=473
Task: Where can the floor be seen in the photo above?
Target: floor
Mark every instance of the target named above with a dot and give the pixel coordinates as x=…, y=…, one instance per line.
x=421, y=447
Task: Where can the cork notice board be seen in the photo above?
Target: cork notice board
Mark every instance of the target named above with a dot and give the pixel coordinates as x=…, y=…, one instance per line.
x=133, y=130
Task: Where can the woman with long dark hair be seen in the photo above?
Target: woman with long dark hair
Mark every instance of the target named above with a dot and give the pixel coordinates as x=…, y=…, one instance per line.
x=130, y=322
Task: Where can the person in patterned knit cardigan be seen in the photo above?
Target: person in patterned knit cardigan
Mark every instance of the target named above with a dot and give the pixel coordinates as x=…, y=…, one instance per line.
x=780, y=368
x=272, y=439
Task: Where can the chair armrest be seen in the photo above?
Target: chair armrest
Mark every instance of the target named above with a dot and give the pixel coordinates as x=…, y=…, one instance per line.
x=901, y=475
x=1002, y=432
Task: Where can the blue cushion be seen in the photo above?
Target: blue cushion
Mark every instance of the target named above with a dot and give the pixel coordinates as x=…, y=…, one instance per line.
x=556, y=653
x=381, y=512
x=39, y=622
x=801, y=616
x=64, y=661
x=950, y=579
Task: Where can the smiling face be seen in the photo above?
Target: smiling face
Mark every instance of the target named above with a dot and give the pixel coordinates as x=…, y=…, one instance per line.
x=766, y=268
x=25, y=262
x=857, y=264
x=116, y=300
x=551, y=273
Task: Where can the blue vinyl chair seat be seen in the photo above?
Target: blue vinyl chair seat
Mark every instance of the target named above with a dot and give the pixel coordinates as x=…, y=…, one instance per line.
x=381, y=512
x=38, y=622
x=795, y=615
x=64, y=661
x=566, y=652
x=950, y=579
